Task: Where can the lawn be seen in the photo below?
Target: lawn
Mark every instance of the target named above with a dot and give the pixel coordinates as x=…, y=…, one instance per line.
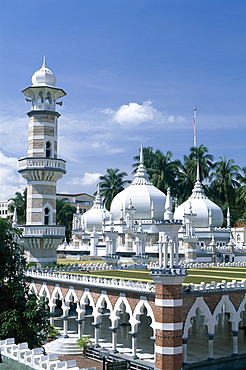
x=194, y=276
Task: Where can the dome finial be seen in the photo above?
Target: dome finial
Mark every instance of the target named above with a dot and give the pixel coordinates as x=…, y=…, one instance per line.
x=44, y=62
x=197, y=171
x=141, y=154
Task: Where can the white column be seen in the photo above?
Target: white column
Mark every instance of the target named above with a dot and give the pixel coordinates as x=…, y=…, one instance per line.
x=65, y=326
x=165, y=259
x=176, y=251
x=185, y=358
x=134, y=345
x=160, y=254
x=114, y=340
x=210, y=346
x=235, y=342
x=96, y=335
x=171, y=254
x=80, y=331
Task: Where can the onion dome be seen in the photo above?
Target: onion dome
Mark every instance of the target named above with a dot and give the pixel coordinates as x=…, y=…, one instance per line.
x=148, y=201
x=44, y=76
x=93, y=218
x=207, y=212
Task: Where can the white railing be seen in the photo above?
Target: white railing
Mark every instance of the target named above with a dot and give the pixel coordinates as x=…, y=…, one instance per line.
x=34, y=359
x=213, y=286
x=212, y=264
x=122, y=284
x=51, y=230
x=27, y=163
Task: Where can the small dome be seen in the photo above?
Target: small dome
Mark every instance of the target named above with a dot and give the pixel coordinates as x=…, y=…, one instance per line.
x=44, y=76
x=204, y=208
x=148, y=201
x=93, y=218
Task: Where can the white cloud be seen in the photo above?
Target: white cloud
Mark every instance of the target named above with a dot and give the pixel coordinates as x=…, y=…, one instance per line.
x=134, y=113
x=87, y=179
x=10, y=180
x=13, y=132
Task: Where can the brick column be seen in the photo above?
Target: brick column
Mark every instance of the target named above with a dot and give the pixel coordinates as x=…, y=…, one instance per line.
x=168, y=317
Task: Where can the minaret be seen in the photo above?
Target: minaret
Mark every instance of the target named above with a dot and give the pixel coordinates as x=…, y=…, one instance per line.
x=41, y=168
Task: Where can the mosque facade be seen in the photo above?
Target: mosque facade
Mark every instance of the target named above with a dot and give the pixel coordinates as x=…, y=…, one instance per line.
x=141, y=225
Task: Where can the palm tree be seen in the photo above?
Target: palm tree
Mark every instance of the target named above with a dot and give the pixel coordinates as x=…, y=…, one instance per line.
x=111, y=184
x=64, y=215
x=186, y=179
x=19, y=202
x=164, y=171
x=200, y=154
x=224, y=182
x=149, y=159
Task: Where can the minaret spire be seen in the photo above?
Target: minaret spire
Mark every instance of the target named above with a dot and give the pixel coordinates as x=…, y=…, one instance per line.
x=198, y=171
x=44, y=62
x=141, y=160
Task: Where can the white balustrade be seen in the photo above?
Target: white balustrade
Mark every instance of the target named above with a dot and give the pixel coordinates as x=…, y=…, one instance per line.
x=29, y=163
x=35, y=358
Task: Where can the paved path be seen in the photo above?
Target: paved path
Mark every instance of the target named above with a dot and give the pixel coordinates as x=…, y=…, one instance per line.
x=82, y=362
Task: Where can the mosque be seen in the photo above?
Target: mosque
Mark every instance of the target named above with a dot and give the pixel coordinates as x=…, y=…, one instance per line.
x=140, y=224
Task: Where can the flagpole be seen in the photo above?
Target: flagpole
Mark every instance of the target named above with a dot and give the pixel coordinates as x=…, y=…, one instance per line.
x=194, y=125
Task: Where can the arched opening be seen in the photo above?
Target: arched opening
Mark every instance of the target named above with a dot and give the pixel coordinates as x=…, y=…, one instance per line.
x=145, y=336
x=105, y=323
x=242, y=332
x=46, y=216
x=41, y=97
x=87, y=327
x=124, y=327
x=197, y=345
x=223, y=334
x=48, y=149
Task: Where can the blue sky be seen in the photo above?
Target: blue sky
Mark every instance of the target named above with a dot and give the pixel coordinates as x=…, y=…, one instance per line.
x=133, y=71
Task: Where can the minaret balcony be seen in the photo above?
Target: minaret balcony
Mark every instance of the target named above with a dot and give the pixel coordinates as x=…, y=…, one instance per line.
x=43, y=106
x=40, y=163
x=43, y=231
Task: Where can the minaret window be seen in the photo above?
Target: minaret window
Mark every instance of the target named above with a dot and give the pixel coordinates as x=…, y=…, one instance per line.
x=41, y=96
x=48, y=149
x=46, y=216
x=49, y=97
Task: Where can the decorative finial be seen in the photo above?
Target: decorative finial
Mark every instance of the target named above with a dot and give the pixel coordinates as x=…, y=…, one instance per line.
x=44, y=62
x=228, y=218
x=198, y=171
x=141, y=154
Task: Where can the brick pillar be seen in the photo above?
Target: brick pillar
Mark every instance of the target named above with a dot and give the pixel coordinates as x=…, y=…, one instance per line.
x=168, y=317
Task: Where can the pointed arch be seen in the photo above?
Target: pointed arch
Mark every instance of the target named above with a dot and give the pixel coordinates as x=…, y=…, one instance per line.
x=44, y=291
x=100, y=303
x=114, y=316
x=229, y=307
x=142, y=303
x=210, y=320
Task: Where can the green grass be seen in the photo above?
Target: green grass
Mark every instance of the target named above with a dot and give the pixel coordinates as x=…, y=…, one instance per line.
x=67, y=261
x=195, y=276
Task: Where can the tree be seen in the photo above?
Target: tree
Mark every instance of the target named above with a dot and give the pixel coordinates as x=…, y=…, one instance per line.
x=224, y=182
x=64, y=215
x=19, y=202
x=149, y=159
x=23, y=315
x=84, y=342
x=200, y=154
x=164, y=171
x=111, y=184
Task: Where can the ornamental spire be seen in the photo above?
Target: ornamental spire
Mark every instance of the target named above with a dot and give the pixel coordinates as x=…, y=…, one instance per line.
x=141, y=154
x=44, y=62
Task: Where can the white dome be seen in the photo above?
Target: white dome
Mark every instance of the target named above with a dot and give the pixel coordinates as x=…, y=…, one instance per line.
x=143, y=195
x=202, y=207
x=93, y=218
x=44, y=76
